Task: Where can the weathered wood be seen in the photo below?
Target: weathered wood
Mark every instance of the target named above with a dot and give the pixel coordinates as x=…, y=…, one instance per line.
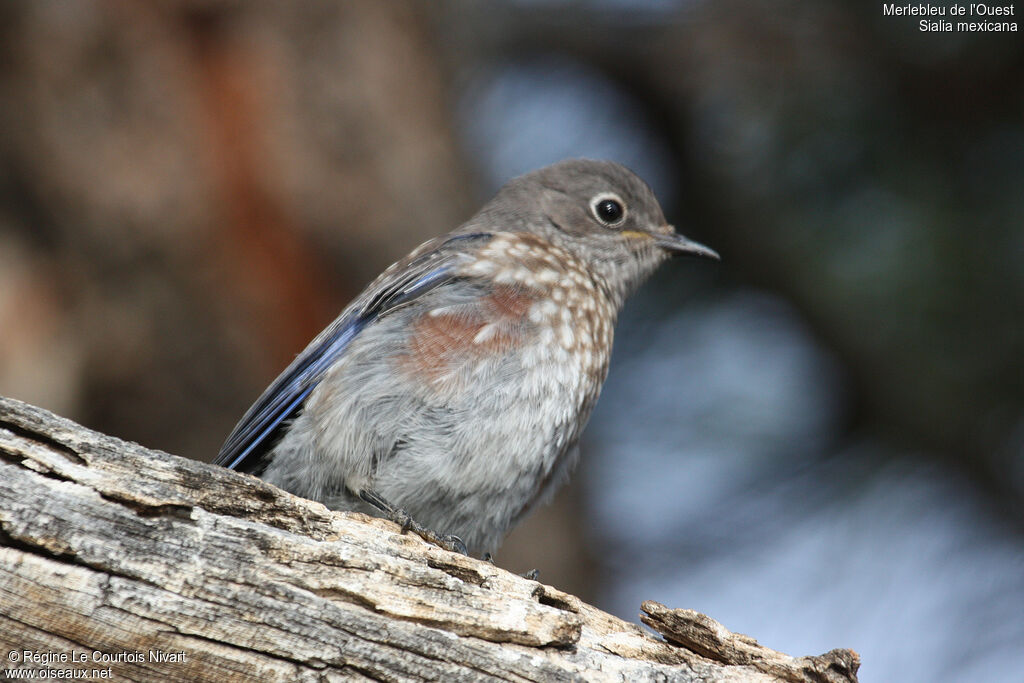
x=707, y=637
x=152, y=567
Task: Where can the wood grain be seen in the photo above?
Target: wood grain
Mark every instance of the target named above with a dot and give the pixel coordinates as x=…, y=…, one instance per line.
x=112, y=552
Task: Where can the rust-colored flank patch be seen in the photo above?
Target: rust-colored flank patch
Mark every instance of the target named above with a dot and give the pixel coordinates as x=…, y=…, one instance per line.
x=441, y=341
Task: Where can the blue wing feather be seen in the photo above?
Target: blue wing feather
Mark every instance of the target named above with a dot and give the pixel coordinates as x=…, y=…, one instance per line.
x=257, y=431
x=261, y=426
x=283, y=398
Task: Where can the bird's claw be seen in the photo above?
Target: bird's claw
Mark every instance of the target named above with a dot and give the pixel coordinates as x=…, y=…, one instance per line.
x=407, y=523
x=454, y=544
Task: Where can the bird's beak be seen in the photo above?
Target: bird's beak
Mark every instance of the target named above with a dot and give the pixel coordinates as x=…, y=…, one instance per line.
x=678, y=245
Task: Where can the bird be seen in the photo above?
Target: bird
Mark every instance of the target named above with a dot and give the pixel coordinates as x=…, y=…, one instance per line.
x=450, y=395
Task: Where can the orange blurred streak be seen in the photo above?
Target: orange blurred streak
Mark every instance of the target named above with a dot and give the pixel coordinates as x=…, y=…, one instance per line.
x=271, y=269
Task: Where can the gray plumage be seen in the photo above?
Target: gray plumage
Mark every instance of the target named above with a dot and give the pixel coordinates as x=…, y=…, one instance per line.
x=457, y=384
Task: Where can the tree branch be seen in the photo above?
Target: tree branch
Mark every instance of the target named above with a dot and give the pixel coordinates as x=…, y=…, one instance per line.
x=150, y=566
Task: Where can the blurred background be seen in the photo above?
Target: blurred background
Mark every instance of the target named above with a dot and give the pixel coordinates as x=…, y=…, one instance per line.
x=819, y=441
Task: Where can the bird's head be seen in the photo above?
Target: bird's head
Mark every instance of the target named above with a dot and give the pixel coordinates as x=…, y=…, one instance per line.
x=599, y=211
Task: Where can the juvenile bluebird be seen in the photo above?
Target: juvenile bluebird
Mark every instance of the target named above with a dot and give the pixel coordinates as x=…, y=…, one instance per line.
x=450, y=395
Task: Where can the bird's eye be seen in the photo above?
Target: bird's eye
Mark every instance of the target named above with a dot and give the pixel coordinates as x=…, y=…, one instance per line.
x=608, y=209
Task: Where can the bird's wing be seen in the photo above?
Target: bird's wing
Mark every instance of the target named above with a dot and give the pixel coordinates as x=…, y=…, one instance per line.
x=430, y=266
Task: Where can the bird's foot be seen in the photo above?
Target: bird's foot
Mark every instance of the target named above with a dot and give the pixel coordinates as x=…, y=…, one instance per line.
x=530, y=575
x=404, y=519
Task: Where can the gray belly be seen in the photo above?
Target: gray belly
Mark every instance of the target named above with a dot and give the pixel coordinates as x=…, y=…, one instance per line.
x=467, y=459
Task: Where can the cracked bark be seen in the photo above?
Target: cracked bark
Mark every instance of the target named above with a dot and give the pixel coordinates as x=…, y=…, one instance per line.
x=108, y=547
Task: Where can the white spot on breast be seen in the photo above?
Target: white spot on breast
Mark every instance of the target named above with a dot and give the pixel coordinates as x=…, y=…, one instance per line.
x=504, y=277
x=498, y=245
x=486, y=332
x=547, y=276
x=568, y=338
x=481, y=267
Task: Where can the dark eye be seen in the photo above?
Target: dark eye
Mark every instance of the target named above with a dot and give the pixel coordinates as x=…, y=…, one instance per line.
x=608, y=209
